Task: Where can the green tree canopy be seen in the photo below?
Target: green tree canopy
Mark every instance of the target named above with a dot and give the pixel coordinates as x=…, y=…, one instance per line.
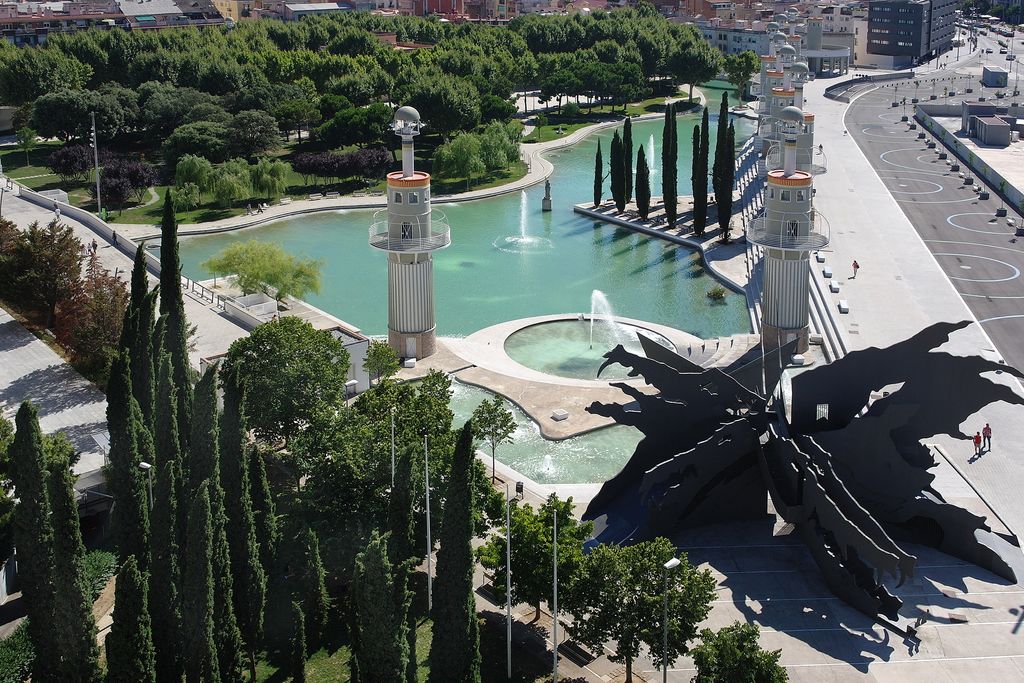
x=733, y=655
x=381, y=602
x=267, y=268
x=739, y=68
x=381, y=360
x=494, y=424
x=460, y=158
x=129, y=645
x=290, y=371
x=620, y=598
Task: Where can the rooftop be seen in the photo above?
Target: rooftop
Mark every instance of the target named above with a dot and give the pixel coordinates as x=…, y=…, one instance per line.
x=136, y=8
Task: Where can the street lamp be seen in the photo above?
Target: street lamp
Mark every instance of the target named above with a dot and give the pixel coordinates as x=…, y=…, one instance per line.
x=554, y=602
x=669, y=566
x=96, y=162
x=426, y=475
x=508, y=569
x=392, y=448
x=148, y=469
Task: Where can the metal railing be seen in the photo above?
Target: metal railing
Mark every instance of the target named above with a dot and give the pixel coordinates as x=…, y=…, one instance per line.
x=804, y=161
x=416, y=234
x=783, y=231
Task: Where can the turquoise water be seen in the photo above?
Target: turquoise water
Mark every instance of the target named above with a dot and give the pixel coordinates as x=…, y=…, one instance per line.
x=589, y=458
x=510, y=260
x=575, y=349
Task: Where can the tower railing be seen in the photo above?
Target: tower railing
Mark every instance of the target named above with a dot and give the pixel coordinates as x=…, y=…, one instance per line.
x=783, y=231
x=816, y=165
x=410, y=234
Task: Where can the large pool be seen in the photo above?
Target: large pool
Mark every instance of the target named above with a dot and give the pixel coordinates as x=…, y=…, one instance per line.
x=510, y=260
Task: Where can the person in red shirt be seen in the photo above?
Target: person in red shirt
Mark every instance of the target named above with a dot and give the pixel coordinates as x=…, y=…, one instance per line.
x=977, y=443
x=986, y=434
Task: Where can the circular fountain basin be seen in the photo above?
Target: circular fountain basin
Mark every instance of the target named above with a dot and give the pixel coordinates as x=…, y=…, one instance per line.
x=568, y=348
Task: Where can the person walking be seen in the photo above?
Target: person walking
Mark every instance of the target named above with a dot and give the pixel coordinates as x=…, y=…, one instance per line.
x=986, y=434
x=977, y=443
x=856, y=267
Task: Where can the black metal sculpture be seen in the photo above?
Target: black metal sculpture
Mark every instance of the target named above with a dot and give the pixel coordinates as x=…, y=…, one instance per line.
x=846, y=466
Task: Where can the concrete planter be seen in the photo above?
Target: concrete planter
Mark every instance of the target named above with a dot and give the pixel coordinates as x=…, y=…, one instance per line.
x=968, y=90
x=904, y=118
x=920, y=136
x=1001, y=212
x=931, y=145
x=943, y=155
x=913, y=100
x=983, y=195
x=955, y=168
x=933, y=97
x=968, y=180
x=913, y=126
x=895, y=104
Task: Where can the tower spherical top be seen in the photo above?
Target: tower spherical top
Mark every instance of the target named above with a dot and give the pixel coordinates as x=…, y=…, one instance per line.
x=787, y=50
x=406, y=115
x=778, y=37
x=799, y=69
x=791, y=115
x=772, y=27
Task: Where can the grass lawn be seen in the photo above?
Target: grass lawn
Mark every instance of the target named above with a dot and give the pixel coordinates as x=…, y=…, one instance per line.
x=13, y=160
x=491, y=179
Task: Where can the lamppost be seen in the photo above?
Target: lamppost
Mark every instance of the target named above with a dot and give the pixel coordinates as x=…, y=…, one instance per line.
x=669, y=566
x=554, y=602
x=96, y=162
x=148, y=469
x=508, y=570
x=392, y=448
x=426, y=475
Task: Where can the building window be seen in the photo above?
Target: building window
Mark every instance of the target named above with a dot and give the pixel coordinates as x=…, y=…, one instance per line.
x=771, y=193
x=414, y=198
x=785, y=195
x=793, y=227
x=406, y=231
x=398, y=198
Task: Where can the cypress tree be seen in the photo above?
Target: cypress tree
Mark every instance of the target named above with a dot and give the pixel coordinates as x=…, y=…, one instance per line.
x=172, y=309
x=643, y=184
x=400, y=547
x=455, y=648
x=618, y=180
x=694, y=180
x=73, y=625
x=169, y=525
x=718, y=170
x=159, y=330
x=669, y=160
x=314, y=591
x=130, y=657
x=298, y=644
x=264, y=512
x=627, y=158
x=33, y=536
x=381, y=649
x=598, y=175
x=204, y=467
x=700, y=178
x=250, y=590
x=137, y=336
x=130, y=444
x=200, y=649
x=728, y=178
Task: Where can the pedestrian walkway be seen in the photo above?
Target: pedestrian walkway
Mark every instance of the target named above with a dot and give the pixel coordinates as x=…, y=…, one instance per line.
x=67, y=402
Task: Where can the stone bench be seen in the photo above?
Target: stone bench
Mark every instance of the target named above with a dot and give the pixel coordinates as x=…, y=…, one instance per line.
x=844, y=306
x=560, y=414
x=826, y=272
x=315, y=196
x=833, y=287
x=819, y=257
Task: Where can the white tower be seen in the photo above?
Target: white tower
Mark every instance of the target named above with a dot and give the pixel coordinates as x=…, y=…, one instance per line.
x=788, y=230
x=409, y=232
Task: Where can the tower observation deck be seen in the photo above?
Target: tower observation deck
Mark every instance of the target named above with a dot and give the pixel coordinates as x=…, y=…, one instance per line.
x=409, y=231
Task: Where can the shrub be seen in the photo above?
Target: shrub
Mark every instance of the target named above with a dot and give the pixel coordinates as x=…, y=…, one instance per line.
x=716, y=293
x=570, y=110
x=100, y=567
x=540, y=120
x=16, y=655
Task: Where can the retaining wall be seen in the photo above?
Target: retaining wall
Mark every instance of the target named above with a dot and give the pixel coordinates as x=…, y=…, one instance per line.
x=993, y=178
